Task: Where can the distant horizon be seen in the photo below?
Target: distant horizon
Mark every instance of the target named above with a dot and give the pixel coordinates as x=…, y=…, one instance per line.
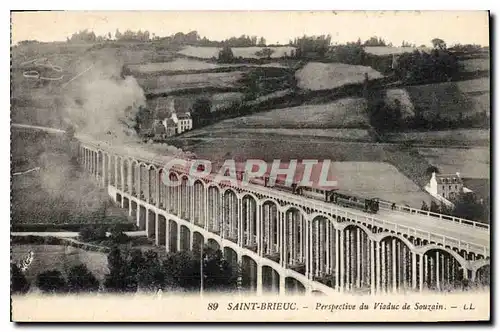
x=454, y=27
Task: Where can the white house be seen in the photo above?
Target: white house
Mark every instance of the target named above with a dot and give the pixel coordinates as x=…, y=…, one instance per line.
x=446, y=187
x=183, y=121
x=174, y=114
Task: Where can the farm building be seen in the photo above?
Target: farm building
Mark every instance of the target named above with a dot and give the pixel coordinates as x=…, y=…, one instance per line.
x=447, y=186
x=173, y=113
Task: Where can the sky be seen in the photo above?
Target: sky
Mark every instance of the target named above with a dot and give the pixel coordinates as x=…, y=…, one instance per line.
x=418, y=27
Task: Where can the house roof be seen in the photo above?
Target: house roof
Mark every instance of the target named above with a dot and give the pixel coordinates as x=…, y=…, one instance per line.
x=184, y=116
x=448, y=179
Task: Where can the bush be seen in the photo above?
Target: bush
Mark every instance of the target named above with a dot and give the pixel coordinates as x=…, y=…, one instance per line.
x=51, y=281
x=18, y=282
x=80, y=279
x=91, y=233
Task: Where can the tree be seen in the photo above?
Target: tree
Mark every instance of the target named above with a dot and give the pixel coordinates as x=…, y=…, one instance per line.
x=434, y=207
x=424, y=206
x=80, y=279
x=219, y=274
x=265, y=53
x=202, y=112
x=51, y=281
x=151, y=275
x=262, y=41
x=375, y=41
x=438, y=43
x=467, y=207
x=431, y=169
x=92, y=233
x=18, y=282
x=120, y=278
x=226, y=54
x=118, y=236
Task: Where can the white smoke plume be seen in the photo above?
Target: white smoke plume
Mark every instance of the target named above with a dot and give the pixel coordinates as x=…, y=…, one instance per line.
x=100, y=103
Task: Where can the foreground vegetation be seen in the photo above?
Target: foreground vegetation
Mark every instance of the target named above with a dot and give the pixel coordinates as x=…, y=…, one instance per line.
x=132, y=270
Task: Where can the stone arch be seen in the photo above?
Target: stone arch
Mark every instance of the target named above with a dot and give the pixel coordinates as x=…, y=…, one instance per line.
x=231, y=256
x=214, y=208
x=324, y=243
x=249, y=273
x=426, y=248
x=483, y=274
x=317, y=293
x=230, y=210
x=264, y=200
x=270, y=280
x=199, y=202
x=270, y=210
x=198, y=241
x=135, y=170
x=126, y=202
x=213, y=244
x=296, y=223
x=118, y=159
x=249, y=210
x=293, y=286
x=185, y=234
x=161, y=230
x=298, y=208
x=99, y=162
x=185, y=197
x=172, y=234
x=382, y=236
x=397, y=261
x=153, y=182
x=443, y=268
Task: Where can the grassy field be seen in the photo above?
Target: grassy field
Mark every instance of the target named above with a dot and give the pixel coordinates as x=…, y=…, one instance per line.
x=175, y=65
x=376, y=179
x=407, y=108
x=244, y=52
x=446, y=137
x=323, y=76
x=225, y=100
x=56, y=257
x=336, y=133
x=469, y=162
x=185, y=64
x=473, y=65
x=449, y=99
x=340, y=114
x=165, y=84
x=387, y=50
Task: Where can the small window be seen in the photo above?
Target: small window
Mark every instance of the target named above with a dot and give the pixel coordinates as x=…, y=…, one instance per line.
x=449, y=188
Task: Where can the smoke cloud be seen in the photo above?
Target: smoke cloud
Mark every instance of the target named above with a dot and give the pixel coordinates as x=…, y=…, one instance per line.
x=100, y=103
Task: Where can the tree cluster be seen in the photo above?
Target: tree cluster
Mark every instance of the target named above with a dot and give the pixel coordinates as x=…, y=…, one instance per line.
x=466, y=206
x=225, y=54
x=311, y=46
x=375, y=41
x=265, y=53
x=201, y=112
x=421, y=67
x=133, y=270
x=79, y=280
x=129, y=35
